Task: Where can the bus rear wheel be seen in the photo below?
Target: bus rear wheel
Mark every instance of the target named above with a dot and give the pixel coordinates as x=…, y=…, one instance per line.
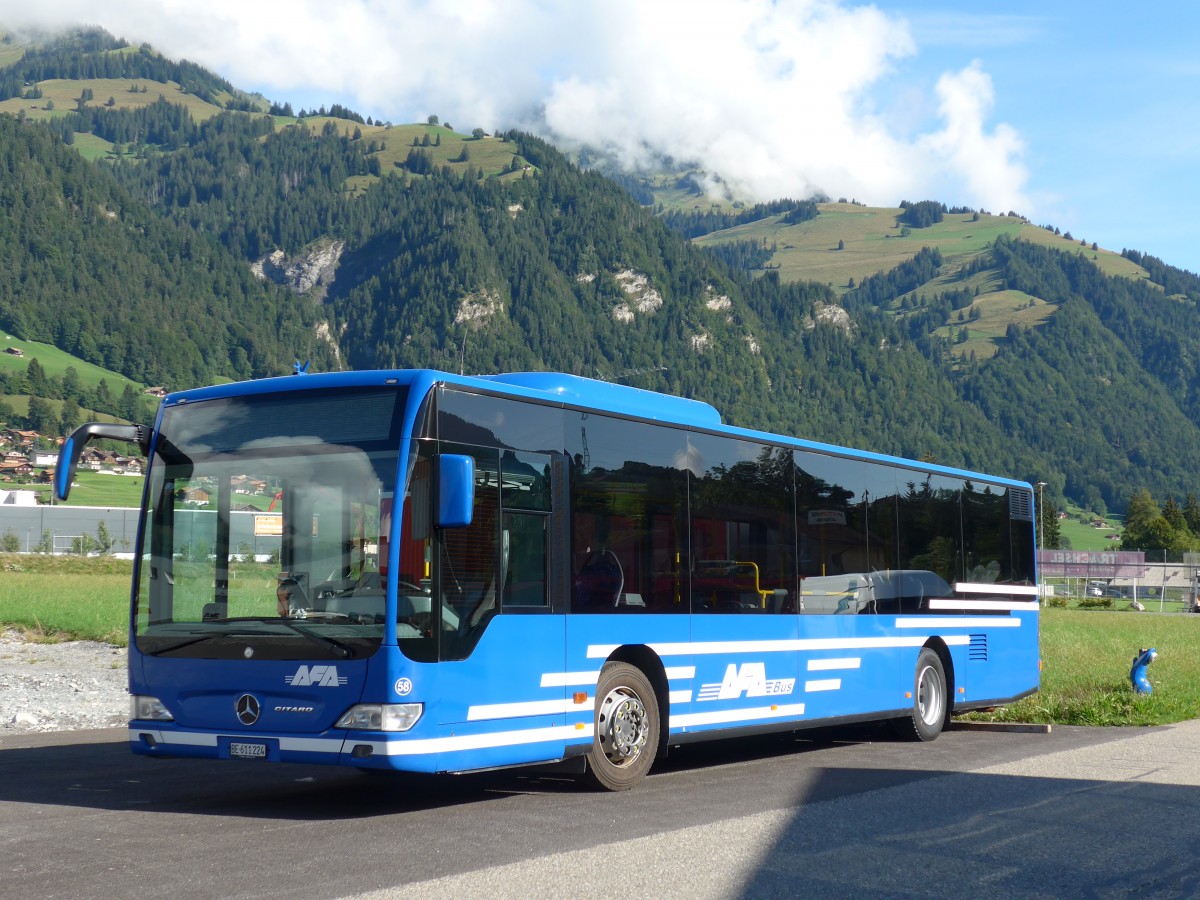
x=930, y=700
x=627, y=726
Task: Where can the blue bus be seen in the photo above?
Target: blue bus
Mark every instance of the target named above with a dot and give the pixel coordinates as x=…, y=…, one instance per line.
x=418, y=571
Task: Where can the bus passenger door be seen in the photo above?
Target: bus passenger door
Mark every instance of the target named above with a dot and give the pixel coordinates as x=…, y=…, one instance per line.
x=501, y=638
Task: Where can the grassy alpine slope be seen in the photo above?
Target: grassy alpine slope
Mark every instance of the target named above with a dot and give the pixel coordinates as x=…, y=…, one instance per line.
x=874, y=242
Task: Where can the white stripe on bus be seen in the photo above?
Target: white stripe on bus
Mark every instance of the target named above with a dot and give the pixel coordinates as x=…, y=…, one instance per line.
x=959, y=622
x=1015, y=590
x=459, y=743
x=823, y=684
x=983, y=605
x=602, y=651
x=185, y=738
x=583, y=679
x=569, y=679
x=489, y=711
x=825, y=665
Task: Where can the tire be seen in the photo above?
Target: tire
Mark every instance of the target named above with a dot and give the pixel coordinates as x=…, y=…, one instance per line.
x=930, y=700
x=626, y=728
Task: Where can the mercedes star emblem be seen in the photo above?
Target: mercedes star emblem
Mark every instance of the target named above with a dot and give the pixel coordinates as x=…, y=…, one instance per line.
x=247, y=709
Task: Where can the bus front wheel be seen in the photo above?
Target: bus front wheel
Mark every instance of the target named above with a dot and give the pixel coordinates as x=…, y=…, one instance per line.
x=626, y=721
x=930, y=700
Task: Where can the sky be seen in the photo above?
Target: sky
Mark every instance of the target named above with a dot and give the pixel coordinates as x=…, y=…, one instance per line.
x=1080, y=115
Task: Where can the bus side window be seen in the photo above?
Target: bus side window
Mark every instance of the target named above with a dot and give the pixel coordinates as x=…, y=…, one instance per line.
x=525, y=480
x=523, y=559
x=743, y=526
x=628, y=516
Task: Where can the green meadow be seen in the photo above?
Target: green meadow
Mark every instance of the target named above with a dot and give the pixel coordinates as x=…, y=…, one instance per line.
x=1087, y=655
x=95, y=489
x=56, y=362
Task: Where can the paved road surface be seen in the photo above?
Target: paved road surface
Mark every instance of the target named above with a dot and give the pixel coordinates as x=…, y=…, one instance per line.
x=1080, y=812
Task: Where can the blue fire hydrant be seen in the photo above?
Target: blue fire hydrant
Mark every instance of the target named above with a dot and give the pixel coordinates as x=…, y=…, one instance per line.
x=1137, y=675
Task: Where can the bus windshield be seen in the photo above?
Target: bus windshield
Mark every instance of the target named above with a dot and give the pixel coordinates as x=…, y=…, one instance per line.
x=266, y=519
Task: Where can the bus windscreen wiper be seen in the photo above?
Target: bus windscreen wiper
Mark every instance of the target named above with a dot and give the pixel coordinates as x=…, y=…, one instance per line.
x=196, y=638
x=336, y=647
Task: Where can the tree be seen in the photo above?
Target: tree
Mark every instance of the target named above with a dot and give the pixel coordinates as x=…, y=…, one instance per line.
x=478, y=133
x=35, y=378
x=41, y=416
x=71, y=386
x=104, y=400
x=922, y=214
x=104, y=539
x=419, y=162
x=1140, y=514
x=71, y=417
x=841, y=245
x=1173, y=513
x=1047, y=525
x=1148, y=529
x=130, y=405
x=432, y=120
x=1191, y=513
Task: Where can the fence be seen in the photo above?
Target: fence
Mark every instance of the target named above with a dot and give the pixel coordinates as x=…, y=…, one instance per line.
x=58, y=529
x=30, y=525
x=1158, y=586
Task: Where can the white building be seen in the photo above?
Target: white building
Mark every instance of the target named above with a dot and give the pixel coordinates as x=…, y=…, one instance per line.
x=18, y=498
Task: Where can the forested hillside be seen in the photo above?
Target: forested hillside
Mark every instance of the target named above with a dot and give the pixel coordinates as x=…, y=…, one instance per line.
x=92, y=269
x=159, y=257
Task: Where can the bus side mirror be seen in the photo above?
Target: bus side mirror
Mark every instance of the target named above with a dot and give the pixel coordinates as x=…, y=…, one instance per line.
x=68, y=456
x=456, y=490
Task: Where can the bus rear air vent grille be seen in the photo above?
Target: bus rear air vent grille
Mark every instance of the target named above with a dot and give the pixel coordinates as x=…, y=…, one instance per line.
x=1020, y=504
x=977, y=650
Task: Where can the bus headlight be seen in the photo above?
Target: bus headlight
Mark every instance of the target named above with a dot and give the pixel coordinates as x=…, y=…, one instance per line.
x=381, y=716
x=148, y=708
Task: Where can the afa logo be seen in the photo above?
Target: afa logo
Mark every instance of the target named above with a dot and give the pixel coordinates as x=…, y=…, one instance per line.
x=320, y=676
x=749, y=679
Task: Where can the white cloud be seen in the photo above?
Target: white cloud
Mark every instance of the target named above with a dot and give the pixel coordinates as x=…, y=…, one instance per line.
x=987, y=163
x=775, y=97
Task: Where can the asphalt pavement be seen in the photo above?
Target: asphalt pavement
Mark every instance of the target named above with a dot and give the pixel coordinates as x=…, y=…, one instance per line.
x=1115, y=819
x=1079, y=812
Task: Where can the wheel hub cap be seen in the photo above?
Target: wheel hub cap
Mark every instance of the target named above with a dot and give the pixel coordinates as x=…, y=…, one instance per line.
x=623, y=726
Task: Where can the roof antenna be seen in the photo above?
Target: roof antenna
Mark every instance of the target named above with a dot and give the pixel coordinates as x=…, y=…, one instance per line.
x=300, y=369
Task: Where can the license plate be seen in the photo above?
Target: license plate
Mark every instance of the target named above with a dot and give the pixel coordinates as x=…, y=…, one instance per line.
x=248, y=751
